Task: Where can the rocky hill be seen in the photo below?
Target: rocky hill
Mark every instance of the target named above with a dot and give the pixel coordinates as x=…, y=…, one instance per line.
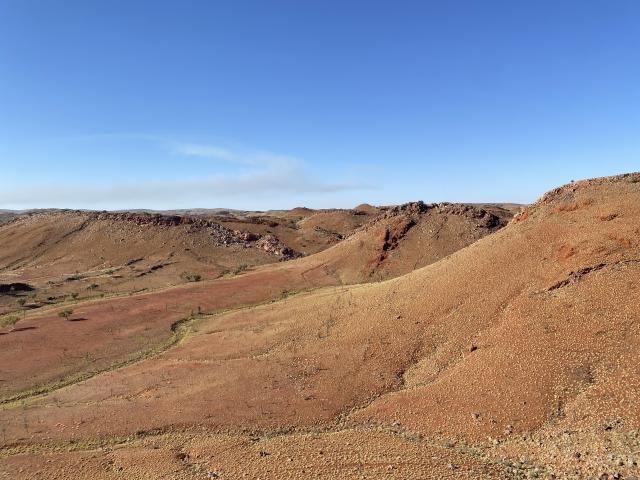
x=406, y=237
x=514, y=357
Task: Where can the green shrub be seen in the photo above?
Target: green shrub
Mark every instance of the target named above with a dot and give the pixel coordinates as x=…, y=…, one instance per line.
x=9, y=320
x=191, y=277
x=75, y=276
x=240, y=268
x=66, y=313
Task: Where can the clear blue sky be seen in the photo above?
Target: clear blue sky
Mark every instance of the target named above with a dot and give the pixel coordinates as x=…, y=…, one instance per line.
x=268, y=104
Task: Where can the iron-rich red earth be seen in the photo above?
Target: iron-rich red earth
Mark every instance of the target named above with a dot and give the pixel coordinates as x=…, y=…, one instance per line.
x=426, y=342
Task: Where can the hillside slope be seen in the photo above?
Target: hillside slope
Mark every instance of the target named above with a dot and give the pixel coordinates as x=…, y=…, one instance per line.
x=61, y=254
x=145, y=322
x=523, y=345
x=304, y=230
x=408, y=237
x=84, y=254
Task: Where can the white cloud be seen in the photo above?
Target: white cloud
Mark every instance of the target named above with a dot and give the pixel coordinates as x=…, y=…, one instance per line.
x=213, y=191
x=253, y=158
x=210, y=151
x=260, y=177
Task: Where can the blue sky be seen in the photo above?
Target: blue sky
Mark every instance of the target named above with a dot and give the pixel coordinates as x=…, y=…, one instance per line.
x=275, y=104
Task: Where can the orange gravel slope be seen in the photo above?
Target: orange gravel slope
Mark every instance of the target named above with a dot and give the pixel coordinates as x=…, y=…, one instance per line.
x=517, y=355
x=108, y=333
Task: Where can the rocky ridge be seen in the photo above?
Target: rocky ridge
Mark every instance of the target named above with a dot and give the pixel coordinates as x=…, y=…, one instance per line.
x=220, y=235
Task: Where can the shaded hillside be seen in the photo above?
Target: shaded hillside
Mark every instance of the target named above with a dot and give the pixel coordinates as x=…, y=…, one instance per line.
x=407, y=237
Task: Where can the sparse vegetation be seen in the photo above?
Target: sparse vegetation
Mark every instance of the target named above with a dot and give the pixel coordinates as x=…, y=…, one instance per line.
x=74, y=295
x=21, y=301
x=66, y=313
x=235, y=270
x=9, y=320
x=74, y=277
x=191, y=277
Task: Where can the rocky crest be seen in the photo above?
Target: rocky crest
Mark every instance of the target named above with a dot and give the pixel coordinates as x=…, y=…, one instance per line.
x=412, y=210
x=220, y=235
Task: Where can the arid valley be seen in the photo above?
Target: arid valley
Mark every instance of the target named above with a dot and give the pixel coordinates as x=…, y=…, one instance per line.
x=417, y=341
x=333, y=240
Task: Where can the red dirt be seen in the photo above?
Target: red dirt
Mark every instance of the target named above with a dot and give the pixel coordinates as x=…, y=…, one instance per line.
x=104, y=333
x=500, y=349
